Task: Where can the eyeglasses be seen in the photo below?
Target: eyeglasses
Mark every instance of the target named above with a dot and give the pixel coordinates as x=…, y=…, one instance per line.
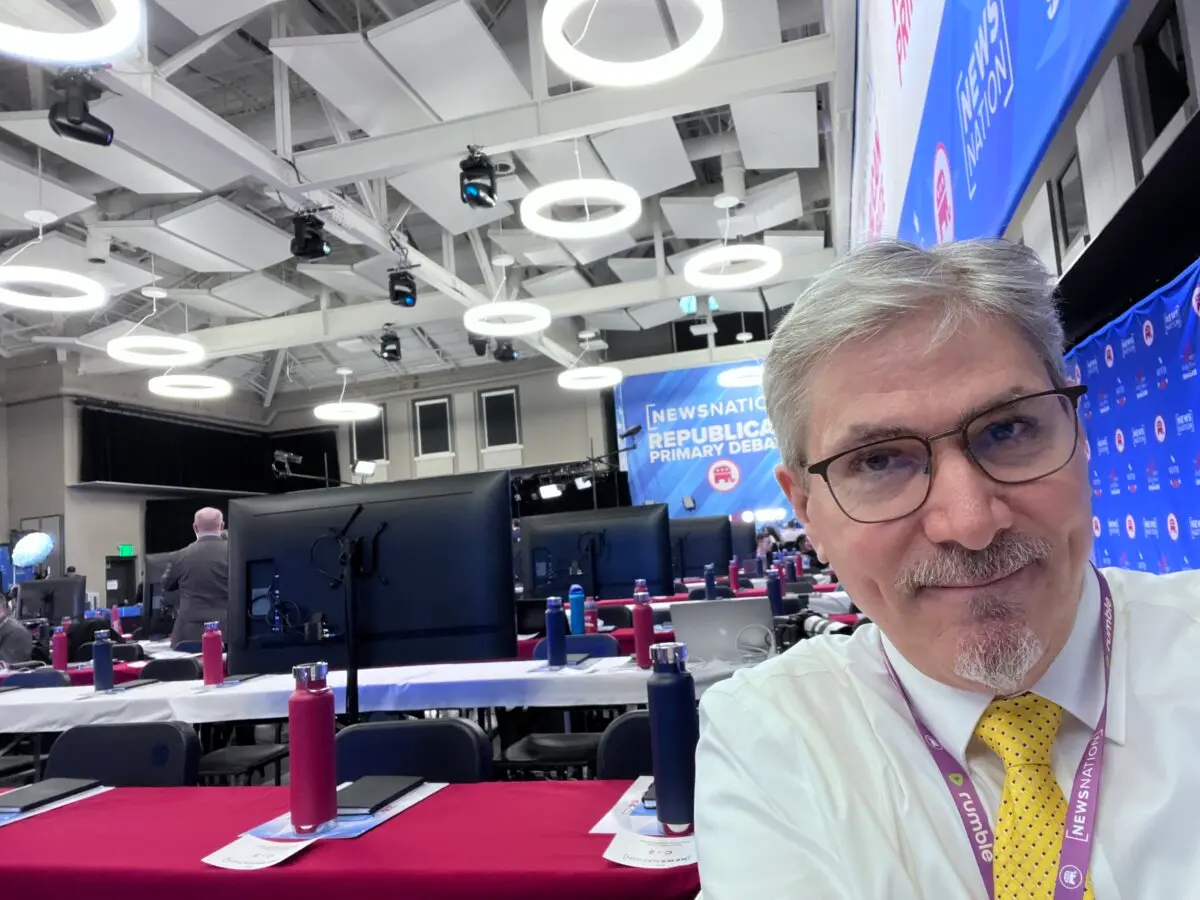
x=1016, y=442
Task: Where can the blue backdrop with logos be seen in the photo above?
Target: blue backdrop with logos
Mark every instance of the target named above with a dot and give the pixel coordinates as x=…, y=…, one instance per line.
x=1143, y=449
x=1004, y=73
x=701, y=440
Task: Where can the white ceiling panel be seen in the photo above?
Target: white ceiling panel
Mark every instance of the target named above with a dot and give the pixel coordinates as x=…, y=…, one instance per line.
x=101, y=336
x=589, y=251
x=116, y=163
x=617, y=320
x=479, y=80
x=654, y=314
x=57, y=251
x=755, y=25
x=511, y=187
x=20, y=192
x=230, y=231
x=649, y=157
x=769, y=205
x=347, y=72
x=739, y=302
x=780, y=295
x=557, y=162
x=344, y=279
x=795, y=243
x=375, y=270
x=529, y=248
x=154, y=134
x=778, y=131
x=633, y=269
x=146, y=234
x=261, y=294
x=205, y=302
x=692, y=218
x=618, y=30
x=203, y=16
x=434, y=190
x=676, y=261
x=558, y=282
x=234, y=368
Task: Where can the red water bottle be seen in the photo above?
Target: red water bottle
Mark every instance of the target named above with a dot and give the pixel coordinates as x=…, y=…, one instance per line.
x=313, y=771
x=114, y=617
x=212, y=653
x=591, y=616
x=643, y=624
x=58, y=649
x=781, y=571
x=735, y=574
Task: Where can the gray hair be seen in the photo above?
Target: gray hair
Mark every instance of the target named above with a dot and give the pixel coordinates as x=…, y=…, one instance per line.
x=869, y=289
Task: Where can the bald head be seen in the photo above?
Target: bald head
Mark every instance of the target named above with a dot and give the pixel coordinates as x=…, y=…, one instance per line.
x=208, y=521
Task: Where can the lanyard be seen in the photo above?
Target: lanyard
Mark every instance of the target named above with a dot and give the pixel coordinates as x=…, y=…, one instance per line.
x=1076, y=851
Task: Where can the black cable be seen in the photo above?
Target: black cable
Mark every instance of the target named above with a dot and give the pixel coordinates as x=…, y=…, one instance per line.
x=334, y=581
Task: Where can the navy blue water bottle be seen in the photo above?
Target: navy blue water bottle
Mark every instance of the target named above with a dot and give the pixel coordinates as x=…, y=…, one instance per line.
x=790, y=566
x=102, y=662
x=578, y=600
x=710, y=581
x=775, y=593
x=674, y=732
x=760, y=565
x=556, y=633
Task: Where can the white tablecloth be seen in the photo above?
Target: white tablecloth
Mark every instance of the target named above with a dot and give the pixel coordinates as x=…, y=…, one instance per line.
x=601, y=682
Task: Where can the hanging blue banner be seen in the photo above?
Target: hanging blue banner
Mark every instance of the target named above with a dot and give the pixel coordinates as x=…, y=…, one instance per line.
x=1140, y=418
x=702, y=441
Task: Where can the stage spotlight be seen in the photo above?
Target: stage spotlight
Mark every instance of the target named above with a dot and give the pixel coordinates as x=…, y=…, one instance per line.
x=479, y=345
x=550, y=491
x=402, y=288
x=70, y=117
x=583, y=482
x=308, y=241
x=477, y=180
x=389, y=347
x=505, y=352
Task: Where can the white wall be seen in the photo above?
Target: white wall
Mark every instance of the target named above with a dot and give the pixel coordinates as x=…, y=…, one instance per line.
x=95, y=523
x=37, y=470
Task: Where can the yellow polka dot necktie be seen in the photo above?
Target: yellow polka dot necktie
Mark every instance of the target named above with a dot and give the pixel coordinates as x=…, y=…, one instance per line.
x=1033, y=810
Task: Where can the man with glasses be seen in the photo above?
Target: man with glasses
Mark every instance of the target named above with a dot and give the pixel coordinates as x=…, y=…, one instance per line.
x=931, y=447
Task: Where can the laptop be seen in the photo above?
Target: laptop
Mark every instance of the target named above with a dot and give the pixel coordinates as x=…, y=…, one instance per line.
x=737, y=630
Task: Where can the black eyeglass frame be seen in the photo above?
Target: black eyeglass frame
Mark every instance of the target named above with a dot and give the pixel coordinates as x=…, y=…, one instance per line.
x=1072, y=393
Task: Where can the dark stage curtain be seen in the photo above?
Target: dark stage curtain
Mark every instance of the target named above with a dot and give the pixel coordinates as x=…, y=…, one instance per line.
x=169, y=522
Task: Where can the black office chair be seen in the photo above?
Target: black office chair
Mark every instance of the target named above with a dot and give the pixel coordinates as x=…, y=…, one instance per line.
x=450, y=750
x=179, y=668
x=662, y=615
x=616, y=616
x=597, y=645
x=188, y=647
x=120, y=652
x=624, y=750
x=744, y=583
x=38, y=678
x=722, y=592
x=144, y=754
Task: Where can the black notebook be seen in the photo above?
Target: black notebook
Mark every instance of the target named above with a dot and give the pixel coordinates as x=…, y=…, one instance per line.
x=373, y=792
x=27, y=799
x=132, y=685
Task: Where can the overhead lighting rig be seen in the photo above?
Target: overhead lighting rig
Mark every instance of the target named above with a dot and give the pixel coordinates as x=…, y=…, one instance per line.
x=505, y=352
x=480, y=345
x=402, y=286
x=71, y=116
x=477, y=179
x=389, y=345
x=309, y=240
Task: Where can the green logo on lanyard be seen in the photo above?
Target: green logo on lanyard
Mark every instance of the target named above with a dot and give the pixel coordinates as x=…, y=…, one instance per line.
x=955, y=779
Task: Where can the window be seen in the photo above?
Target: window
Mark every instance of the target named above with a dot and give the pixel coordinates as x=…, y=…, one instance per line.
x=1071, y=211
x=1163, y=71
x=499, y=412
x=433, y=426
x=370, y=438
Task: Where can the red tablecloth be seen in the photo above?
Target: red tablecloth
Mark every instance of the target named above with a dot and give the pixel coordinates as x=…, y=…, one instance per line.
x=502, y=841
x=624, y=637
x=121, y=673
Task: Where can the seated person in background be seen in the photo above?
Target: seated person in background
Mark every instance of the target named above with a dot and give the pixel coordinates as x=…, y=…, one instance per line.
x=814, y=561
x=767, y=542
x=83, y=631
x=16, y=643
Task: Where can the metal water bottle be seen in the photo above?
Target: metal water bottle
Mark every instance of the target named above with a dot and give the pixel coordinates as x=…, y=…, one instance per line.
x=102, y=661
x=775, y=593
x=735, y=574
x=710, y=581
x=780, y=569
x=115, y=618
x=591, y=616
x=643, y=624
x=212, y=653
x=58, y=649
x=313, y=769
x=556, y=632
x=674, y=732
x=576, y=599
x=790, y=569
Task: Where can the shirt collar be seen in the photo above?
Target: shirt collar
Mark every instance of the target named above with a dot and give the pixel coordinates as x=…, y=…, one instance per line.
x=1075, y=681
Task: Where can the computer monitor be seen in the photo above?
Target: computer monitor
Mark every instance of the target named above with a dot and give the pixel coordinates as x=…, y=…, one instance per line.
x=603, y=550
x=697, y=542
x=440, y=550
x=52, y=598
x=745, y=540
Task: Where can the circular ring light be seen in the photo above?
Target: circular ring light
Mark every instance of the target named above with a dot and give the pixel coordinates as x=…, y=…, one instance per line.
x=629, y=74
x=75, y=48
x=696, y=271
x=89, y=293
x=190, y=387
x=536, y=202
x=590, y=378
x=488, y=319
x=155, y=350
x=741, y=377
x=346, y=411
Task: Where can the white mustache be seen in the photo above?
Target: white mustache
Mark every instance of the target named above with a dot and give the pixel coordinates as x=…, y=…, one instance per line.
x=957, y=565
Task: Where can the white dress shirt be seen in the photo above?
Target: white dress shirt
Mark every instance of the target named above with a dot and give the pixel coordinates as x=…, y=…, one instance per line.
x=812, y=780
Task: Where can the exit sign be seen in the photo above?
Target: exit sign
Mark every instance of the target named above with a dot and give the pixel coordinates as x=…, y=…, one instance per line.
x=124, y=549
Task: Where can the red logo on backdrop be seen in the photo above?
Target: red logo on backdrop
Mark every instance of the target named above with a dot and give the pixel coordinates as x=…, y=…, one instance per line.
x=1087, y=448
x=1130, y=527
x=724, y=475
x=1196, y=300
x=877, y=205
x=943, y=195
x=1119, y=441
x=1160, y=428
x=1148, y=332
x=1078, y=375
x=1172, y=526
x=1096, y=526
x=1108, y=355
x=902, y=13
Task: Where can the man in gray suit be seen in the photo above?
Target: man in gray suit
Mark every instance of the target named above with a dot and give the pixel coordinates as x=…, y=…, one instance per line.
x=200, y=572
x=16, y=643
